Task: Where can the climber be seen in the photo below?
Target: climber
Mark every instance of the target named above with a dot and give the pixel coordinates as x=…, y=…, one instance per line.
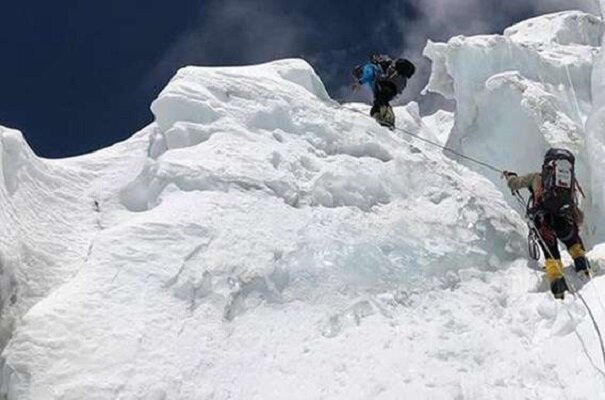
x=553, y=208
x=387, y=79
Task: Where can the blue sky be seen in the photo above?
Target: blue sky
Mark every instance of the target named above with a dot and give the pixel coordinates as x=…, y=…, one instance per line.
x=80, y=75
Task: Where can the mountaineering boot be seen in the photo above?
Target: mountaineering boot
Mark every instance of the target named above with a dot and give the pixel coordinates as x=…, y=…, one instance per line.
x=379, y=116
x=390, y=117
x=554, y=272
x=558, y=288
x=385, y=117
x=581, y=264
x=376, y=114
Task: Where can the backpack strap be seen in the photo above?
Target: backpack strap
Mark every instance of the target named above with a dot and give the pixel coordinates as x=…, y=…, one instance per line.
x=577, y=185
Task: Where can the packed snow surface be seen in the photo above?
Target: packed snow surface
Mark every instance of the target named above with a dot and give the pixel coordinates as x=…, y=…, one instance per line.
x=260, y=241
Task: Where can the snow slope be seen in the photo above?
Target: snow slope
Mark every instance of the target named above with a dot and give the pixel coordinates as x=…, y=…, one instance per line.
x=48, y=217
x=259, y=241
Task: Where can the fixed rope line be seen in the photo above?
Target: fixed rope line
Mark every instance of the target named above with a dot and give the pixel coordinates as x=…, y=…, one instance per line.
x=531, y=226
x=569, y=282
x=444, y=148
x=457, y=153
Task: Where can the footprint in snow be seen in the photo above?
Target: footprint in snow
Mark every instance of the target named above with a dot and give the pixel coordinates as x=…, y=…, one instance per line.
x=569, y=315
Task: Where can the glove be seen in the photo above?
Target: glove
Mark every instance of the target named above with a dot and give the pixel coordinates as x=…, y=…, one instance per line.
x=508, y=174
x=355, y=85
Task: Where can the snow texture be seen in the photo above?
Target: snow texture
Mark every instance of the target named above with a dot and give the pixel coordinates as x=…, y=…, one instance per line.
x=260, y=241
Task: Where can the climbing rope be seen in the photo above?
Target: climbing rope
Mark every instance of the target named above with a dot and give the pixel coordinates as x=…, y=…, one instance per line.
x=444, y=148
x=531, y=225
x=571, y=286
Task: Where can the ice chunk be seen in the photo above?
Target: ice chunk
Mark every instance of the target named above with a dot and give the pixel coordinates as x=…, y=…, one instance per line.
x=564, y=28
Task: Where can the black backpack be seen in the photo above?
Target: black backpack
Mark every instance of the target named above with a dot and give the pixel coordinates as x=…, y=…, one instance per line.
x=559, y=181
x=395, y=72
x=405, y=67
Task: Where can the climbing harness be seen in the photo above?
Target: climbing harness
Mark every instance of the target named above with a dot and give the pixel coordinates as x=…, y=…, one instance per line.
x=533, y=242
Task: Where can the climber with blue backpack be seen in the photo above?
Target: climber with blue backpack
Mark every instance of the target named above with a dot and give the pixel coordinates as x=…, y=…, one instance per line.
x=553, y=214
x=386, y=78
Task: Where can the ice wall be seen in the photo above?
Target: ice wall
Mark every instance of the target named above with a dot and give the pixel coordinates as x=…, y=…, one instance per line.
x=50, y=213
x=595, y=144
x=519, y=93
x=40, y=245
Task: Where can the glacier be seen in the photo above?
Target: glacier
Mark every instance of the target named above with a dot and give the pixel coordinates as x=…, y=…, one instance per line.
x=261, y=241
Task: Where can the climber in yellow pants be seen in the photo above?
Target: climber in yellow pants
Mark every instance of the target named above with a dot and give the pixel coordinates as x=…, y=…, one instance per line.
x=555, y=214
